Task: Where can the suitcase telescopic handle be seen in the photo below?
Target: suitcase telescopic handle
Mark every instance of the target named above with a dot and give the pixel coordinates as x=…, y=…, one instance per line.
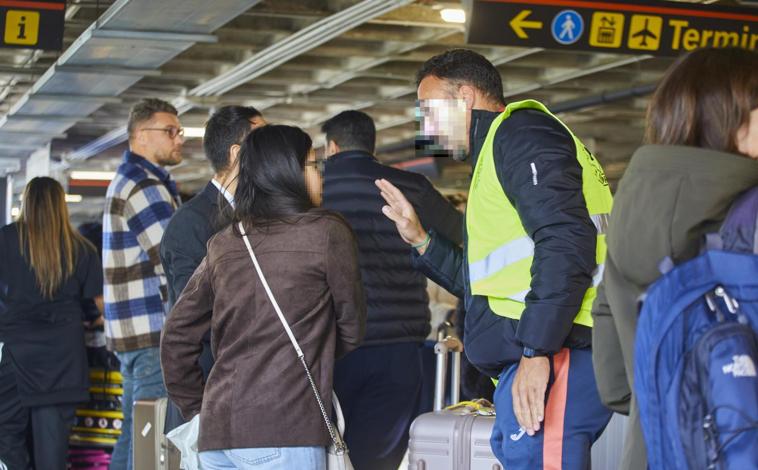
x=444, y=346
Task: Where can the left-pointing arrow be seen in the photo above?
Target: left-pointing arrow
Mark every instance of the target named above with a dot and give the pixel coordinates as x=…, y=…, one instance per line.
x=519, y=23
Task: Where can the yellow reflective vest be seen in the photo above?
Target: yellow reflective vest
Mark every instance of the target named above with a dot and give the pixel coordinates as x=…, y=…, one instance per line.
x=500, y=252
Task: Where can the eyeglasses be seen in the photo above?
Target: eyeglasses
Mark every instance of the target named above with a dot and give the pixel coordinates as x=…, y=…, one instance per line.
x=318, y=164
x=171, y=131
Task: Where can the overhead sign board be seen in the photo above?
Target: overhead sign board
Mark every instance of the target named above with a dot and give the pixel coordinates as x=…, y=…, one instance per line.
x=639, y=27
x=32, y=24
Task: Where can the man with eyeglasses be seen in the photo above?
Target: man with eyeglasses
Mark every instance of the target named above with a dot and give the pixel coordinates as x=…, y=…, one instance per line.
x=139, y=203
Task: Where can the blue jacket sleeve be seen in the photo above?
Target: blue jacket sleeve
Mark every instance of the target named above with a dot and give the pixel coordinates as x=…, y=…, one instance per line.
x=535, y=160
x=442, y=262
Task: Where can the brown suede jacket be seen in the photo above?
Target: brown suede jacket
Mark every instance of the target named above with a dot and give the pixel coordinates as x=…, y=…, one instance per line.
x=257, y=394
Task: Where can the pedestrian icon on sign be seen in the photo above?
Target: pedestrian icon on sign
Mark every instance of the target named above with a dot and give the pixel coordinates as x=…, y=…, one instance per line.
x=567, y=27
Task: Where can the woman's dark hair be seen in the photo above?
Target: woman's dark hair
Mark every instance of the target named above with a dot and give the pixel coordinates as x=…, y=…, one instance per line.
x=704, y=99
x=271, y=184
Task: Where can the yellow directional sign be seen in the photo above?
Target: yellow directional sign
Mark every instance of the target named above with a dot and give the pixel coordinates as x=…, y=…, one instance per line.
x=607, y=29
x=649, y=27
x=21, y=27
x=645, y=32
x=519, y=23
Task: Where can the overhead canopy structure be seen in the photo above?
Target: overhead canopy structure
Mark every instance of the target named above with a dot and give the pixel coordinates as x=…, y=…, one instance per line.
x=300, y=61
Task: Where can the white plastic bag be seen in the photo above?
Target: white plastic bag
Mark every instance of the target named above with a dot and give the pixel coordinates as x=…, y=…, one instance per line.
x=184, y=438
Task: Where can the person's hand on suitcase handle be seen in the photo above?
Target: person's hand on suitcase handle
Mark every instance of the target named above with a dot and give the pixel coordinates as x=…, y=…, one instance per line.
x=400, y=211
x=528, y=391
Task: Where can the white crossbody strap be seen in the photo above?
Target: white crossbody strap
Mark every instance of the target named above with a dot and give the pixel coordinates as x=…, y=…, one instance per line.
x=336, y=437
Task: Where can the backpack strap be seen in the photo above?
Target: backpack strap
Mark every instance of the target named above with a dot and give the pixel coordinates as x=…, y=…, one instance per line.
x=739, y=231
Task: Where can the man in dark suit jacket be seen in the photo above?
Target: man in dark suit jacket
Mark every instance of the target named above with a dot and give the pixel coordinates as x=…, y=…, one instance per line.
x=183, y=246
x=379, y=384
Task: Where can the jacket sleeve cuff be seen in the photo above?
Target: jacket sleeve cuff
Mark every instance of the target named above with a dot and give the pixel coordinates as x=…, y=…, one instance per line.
x=544, y=329
x=441, y=263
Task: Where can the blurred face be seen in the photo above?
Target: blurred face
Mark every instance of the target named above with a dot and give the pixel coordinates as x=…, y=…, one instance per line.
x=747, y=136
x=313, y=178
x=160, y=139
x=444, y=117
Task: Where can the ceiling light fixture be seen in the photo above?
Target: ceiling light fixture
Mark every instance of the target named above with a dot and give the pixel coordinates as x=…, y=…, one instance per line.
x=92, y=175
x=453, y=15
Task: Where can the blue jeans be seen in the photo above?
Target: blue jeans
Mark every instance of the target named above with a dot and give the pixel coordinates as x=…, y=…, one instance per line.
x=265, y=458
x=143, y=380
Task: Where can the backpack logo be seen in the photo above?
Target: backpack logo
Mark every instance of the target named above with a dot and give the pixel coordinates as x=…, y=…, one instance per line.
x=742, y=366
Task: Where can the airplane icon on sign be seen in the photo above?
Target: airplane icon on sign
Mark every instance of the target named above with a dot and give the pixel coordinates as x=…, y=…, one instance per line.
x=645, y=33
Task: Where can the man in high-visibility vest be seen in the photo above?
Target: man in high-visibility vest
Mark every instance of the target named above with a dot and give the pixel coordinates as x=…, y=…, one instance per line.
x=533, y=255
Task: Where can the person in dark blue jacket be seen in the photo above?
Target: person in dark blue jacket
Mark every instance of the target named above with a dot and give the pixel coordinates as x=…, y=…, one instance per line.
x=379, y=384
x=548, y=409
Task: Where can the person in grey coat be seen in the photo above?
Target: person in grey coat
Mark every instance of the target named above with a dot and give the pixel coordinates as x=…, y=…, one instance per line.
x=701, y=155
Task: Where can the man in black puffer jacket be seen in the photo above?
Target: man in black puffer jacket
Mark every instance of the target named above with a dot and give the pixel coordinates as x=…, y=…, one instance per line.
x=380, y=383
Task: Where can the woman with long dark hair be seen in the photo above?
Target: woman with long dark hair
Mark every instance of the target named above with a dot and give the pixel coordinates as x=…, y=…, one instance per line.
x=700, y=156
x=257, y=408
x=47, y=270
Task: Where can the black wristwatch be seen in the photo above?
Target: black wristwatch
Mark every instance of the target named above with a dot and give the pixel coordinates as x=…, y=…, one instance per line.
x=529, y=352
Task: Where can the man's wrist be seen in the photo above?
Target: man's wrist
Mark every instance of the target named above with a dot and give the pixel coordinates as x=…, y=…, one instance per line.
x=422, y=242
x=531, y=353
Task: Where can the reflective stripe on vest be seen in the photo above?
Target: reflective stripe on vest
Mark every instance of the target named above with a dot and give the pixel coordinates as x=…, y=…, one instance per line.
x=516, y=250
x=500, y=253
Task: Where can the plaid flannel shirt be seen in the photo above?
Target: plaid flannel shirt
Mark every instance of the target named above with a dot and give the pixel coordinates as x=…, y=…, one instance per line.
x=139, y=203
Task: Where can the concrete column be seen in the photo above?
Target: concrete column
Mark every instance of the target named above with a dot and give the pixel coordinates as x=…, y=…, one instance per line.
x=6, y=199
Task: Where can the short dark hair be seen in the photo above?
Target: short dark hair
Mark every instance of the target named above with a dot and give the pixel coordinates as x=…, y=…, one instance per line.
x=351, y=130
x=464, y=66
x=145, y=109
x=704, y=99
x=271, y=182
x=226, y=127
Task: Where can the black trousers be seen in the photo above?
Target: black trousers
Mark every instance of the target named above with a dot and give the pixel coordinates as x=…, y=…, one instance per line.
x=50, y=428
x=379, y=389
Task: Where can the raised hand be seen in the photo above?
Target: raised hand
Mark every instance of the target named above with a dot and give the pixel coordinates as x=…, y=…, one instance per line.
x=400, y=211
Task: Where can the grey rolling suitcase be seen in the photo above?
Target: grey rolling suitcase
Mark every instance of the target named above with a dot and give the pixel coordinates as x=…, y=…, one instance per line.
x=451, y=440
x=460, y=440
x=151, y=449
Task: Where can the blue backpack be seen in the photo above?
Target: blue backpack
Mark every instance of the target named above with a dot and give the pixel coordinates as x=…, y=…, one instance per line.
x=696, y=352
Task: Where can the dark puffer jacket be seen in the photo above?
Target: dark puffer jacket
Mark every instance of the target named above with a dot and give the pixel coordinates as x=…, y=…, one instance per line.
x=396, y=297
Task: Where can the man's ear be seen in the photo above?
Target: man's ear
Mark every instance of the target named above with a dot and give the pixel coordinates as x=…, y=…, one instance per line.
x=332, y=148
x=468, y=94
x=234, y=153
